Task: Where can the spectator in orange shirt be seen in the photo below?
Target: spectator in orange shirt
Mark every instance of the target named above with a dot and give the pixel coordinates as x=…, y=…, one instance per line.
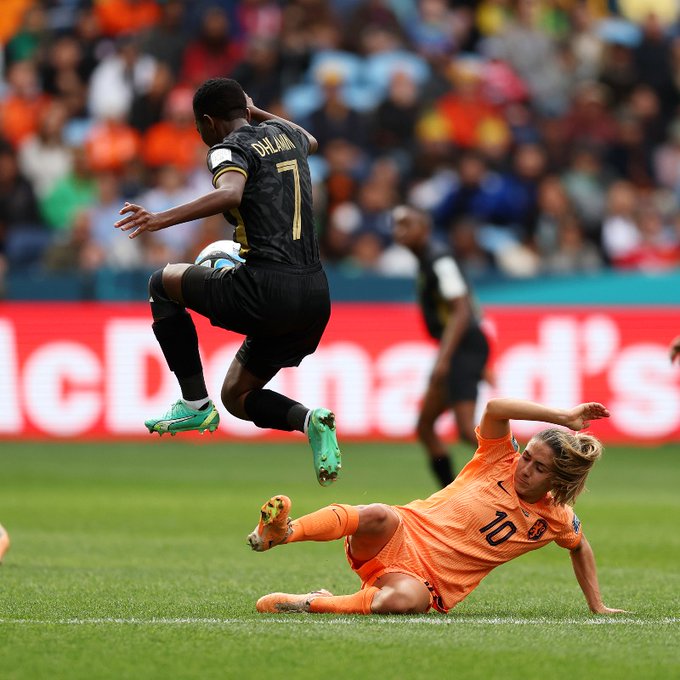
x=20, y=111
x=173, y=141
x=11, y=17
x=126, y=16
x=110, y=145
x=434, y=552
x=466, y=109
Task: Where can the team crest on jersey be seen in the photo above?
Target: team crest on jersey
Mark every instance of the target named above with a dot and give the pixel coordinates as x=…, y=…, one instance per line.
x=538, y=529
x=217, y=157
x=576, y=524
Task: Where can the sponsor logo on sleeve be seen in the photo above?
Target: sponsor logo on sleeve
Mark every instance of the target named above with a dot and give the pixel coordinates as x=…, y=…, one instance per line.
x=515, y=445
x=576, y=524
x=217, y=157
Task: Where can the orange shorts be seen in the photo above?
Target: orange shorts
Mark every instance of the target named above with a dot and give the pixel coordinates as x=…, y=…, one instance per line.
x=398, y=556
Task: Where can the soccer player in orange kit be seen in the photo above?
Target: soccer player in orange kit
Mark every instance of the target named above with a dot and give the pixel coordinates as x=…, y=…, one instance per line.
x=434, y=552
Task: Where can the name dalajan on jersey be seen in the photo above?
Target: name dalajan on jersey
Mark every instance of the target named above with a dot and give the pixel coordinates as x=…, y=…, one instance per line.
x=274, y=144
x=266, y=147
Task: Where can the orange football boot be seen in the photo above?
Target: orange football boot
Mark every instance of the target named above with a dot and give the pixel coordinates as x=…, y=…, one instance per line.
x=274, y=525
x=278, y=603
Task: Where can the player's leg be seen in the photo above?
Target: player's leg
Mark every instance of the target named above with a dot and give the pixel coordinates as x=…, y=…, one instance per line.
x=289, y=321
x=244, y=397
x=400, y=594
x=435, y=403
x=176, y=334
x=4, y=542
x=369, y=527
x=467, y=371
x=464, y=413
x=392, y=593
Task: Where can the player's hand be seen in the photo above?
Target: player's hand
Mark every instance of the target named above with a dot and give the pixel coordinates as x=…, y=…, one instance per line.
x=674, y=349
x=250, y=104
x=139, y=219
x=579, y=417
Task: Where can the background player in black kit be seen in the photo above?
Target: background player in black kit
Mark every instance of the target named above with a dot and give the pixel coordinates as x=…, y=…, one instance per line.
x=279, y=299
x=450, y=317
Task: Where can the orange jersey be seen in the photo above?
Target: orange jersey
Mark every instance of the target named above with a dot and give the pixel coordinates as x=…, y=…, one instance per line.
x=454, y=538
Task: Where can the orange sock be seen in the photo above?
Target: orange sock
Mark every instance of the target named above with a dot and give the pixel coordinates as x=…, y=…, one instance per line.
x=358, y=603
x=328, y=524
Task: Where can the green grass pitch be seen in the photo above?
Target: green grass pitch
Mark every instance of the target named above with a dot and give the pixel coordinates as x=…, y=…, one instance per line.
x=129, y=561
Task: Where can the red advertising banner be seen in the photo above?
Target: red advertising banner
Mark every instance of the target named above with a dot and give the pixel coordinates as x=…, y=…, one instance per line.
x=95, y=370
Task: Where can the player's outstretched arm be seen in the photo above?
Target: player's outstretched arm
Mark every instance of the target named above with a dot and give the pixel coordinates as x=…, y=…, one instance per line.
x=583, y=561
x=260, y=115
x=498, y=412
x=227, y=196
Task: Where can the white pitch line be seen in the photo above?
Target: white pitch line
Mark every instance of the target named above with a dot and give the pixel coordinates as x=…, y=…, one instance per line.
x=387, y=620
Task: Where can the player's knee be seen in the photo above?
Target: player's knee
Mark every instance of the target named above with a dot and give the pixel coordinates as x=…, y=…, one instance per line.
x=231, y=398
x=156, y=288
x=162, y=303
x=400, y=601
x=374, y=518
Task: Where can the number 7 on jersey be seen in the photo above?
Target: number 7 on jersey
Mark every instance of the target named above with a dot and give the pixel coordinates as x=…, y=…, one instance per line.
x=284, y=166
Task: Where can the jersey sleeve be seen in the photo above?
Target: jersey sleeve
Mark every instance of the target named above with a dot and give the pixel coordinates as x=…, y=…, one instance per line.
x=450, y=280
x=301, y=139
x=227, y=158
x=492, y=451
x=571, y=533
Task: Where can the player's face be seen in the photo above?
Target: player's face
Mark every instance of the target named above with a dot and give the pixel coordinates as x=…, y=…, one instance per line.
x=533, y=475
x=407, y=227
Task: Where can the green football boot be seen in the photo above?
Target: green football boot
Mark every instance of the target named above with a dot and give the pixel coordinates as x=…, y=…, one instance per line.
x=182, y=418
x=321, y=435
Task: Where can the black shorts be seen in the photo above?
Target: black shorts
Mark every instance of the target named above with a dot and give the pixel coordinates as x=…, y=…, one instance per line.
x=282, y=311
x=467, y=365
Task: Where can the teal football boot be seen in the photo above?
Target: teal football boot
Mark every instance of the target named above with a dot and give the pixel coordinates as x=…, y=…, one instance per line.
x=182, y=418
x=321, y=435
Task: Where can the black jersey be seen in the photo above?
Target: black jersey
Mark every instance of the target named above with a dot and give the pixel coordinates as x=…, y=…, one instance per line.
x=440, y=280
x=274, y=222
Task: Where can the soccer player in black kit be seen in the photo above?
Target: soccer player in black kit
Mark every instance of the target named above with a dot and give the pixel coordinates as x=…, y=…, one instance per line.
x=278, y=299
x=452, y=319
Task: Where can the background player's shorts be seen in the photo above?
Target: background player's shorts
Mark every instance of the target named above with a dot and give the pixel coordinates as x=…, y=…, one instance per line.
x=282, y=311
x=467, y=365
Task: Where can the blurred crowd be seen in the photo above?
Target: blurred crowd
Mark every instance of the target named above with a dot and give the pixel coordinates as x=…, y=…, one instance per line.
x=543, y=136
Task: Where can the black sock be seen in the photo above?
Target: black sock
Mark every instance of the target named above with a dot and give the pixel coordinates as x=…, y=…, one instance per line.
x=193, y=387
x=442, y=469
x=177, y=337
x=268, y=409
